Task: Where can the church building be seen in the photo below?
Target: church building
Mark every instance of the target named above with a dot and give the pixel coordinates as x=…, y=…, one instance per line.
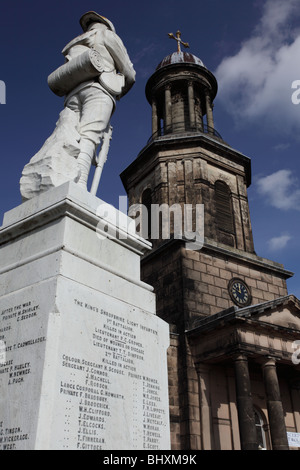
x=234, y=378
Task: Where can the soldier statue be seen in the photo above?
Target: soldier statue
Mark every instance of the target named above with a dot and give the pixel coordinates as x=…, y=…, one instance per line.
x=97, y=72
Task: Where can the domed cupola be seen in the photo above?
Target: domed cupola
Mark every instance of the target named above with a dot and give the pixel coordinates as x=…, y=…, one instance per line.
x=181, y=92
x=180, y=58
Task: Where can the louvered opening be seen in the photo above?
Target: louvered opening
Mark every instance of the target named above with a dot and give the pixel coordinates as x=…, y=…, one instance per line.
x=224, y=213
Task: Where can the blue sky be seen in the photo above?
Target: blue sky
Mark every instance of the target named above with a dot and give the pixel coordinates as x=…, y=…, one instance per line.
x=252, y=47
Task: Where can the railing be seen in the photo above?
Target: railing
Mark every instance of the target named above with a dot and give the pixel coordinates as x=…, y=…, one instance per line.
x=183, y=127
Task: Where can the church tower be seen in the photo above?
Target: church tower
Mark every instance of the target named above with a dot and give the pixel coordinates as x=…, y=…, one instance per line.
x=231, y=319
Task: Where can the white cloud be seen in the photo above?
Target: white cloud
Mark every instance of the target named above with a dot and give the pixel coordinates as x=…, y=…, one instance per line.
x=278, y=243
x=281, y=147
x=141, y=62
x=256, y=82
x=280, y=189
x=276, y=13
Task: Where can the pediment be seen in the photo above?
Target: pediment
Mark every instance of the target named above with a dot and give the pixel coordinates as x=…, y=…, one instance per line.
x=283, y=312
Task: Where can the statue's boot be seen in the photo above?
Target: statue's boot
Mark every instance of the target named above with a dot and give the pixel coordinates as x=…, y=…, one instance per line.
x=84, y=160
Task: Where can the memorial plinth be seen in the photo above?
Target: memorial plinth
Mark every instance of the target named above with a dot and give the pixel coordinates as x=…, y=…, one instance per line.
x=83, y=362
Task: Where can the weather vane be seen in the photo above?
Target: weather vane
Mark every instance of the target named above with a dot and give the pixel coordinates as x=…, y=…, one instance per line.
x=179, y=41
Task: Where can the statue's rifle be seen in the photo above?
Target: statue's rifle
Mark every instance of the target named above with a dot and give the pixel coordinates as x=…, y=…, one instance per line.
x=101, y=159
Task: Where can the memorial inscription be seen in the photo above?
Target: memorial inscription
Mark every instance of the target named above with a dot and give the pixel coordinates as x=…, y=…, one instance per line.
x=91, y=387
x=17, y=367
x=106, y=386
x=15, y=373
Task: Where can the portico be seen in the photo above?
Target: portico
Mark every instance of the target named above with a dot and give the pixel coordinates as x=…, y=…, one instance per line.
x=256, y=341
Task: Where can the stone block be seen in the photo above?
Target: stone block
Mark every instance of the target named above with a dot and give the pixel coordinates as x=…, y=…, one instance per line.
x=214, y=310
x=282, y=291
x=251, y=282
x=222, y=303
x=195, y=275
x=207, y=259
x=207, y=278
x=273, y=289
x=216, y=291
x=221, y=282
x=244, y=270
x=219, y=263
x=213, y=270
x=208, y=299
x=194, y=255
x=257, y=293
x=255, y=274
x=233, y=267
x=201, y=267
x=262, y=285
x=268, y=295
x=277, y=281
x=225, y=274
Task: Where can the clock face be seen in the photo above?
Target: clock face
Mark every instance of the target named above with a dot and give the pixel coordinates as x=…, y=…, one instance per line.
x=239, y=292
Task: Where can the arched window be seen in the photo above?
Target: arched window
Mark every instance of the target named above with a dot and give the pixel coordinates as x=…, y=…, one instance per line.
x=260, y=429
x=146, y=218
x=224, y=212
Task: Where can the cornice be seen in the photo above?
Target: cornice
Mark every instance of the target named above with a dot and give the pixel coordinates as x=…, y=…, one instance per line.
x=188, y=140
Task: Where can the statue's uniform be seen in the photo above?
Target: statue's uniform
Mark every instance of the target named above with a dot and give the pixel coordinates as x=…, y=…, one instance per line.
x=91, y=101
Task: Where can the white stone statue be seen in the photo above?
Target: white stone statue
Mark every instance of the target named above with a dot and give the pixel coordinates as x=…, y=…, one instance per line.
x=96, y=73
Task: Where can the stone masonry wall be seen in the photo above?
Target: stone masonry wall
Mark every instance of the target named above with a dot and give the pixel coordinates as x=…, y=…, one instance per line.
x=206, y=279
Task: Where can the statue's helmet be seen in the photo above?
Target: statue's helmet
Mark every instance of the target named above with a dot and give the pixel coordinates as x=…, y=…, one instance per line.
x=93, y=17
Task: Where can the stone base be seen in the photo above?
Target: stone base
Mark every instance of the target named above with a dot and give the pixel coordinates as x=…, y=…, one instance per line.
x=83, y=363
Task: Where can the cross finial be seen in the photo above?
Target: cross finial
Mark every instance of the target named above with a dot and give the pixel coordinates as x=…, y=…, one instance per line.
x=179, y=41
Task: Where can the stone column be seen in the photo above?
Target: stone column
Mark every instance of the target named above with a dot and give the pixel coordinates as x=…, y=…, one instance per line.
x=209, y=112
x=168, y=109
x=275, y=408
x=155, y=126
x=205, y=407
x=200, y=113
x=191, y=100
x=244, y=404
